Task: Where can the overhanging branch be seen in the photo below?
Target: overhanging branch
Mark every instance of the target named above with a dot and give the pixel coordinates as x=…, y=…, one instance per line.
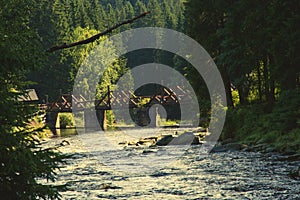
x=97, y=36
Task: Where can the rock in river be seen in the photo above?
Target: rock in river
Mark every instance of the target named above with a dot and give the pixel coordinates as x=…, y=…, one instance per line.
x=295, y=173
x=187, y=138
x=165, y=140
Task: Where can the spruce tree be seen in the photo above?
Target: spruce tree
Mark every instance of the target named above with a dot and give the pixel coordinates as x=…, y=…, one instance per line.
x=23, y=161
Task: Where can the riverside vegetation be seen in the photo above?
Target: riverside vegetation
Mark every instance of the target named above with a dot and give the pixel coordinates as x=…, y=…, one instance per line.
x=256, y=48
x=255, y=45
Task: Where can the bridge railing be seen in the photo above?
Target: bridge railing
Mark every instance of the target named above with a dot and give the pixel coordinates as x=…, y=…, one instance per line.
x=119, y=100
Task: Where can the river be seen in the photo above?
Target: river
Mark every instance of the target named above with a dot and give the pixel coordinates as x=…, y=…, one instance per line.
x=227, y=175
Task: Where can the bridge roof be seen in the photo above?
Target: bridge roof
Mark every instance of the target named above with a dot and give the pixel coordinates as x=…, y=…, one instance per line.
x=31, y=96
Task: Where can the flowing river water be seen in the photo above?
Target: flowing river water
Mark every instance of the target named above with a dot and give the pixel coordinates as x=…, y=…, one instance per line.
x=227, y=175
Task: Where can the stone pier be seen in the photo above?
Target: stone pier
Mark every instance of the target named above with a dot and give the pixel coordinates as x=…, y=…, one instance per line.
x=94, y=120
x=153, y=114
x=52, y=121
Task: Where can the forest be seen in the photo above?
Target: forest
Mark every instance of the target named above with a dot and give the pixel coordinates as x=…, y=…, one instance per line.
x=72, y=21
x=255, y=45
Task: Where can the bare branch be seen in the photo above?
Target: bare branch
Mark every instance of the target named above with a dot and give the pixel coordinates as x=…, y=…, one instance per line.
x=97, y=36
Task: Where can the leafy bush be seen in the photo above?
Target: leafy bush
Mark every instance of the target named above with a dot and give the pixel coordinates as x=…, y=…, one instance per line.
x=66, y=119
x=110, y=117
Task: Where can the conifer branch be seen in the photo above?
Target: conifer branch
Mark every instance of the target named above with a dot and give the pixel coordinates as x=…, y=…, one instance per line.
x=97, y=36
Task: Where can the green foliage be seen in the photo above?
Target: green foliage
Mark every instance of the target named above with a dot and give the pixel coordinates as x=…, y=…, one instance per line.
x=249, y=41
x=256, y=124
x=254, y=45
x=290, y=141
x=67, y=21
x=66, y=119
x=22, y=161
x=110, y=117
x=164, y=122
x=235, y=97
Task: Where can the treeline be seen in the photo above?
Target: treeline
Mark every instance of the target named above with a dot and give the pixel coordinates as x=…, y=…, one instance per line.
x=65, y=21
x=256, y=47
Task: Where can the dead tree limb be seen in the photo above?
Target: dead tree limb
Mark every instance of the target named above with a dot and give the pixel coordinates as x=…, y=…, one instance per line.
x=97, y=36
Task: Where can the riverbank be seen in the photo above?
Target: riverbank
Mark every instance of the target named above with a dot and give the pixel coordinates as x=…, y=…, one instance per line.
x=264, y=141
x=266, y=127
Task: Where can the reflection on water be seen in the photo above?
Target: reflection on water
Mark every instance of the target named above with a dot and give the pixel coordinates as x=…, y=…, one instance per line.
x=231, y=175
x=68, y=132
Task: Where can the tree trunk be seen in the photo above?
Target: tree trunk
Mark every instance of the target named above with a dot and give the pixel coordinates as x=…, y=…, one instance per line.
x=266, y=81
x=242, y=95
x=259, y=83
x=290, y=78
x=227, y=84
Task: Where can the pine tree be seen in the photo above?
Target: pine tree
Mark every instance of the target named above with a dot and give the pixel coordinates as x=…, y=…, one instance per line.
x=22, y=160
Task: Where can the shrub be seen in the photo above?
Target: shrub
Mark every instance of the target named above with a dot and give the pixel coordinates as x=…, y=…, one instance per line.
x=66, y=119
x=254, y=124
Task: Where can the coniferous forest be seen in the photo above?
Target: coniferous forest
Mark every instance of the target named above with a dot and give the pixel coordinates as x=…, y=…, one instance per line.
x=255, y=45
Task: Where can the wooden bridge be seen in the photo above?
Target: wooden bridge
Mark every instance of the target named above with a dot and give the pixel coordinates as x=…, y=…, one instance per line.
x=119, y=100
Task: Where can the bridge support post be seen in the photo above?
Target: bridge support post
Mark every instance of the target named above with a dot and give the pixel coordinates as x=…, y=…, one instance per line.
x=153, y=113
x=53, y=123
x=94, y=120
x=90, y=121
x=101, y=115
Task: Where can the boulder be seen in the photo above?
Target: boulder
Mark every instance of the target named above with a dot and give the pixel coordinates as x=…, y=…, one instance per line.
x=234, y=146
x=295, y=173
x=165, y=140
x=187, y=138
x=290, y=158
x=228, y=147
x=146, y=142
x=218, y=149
